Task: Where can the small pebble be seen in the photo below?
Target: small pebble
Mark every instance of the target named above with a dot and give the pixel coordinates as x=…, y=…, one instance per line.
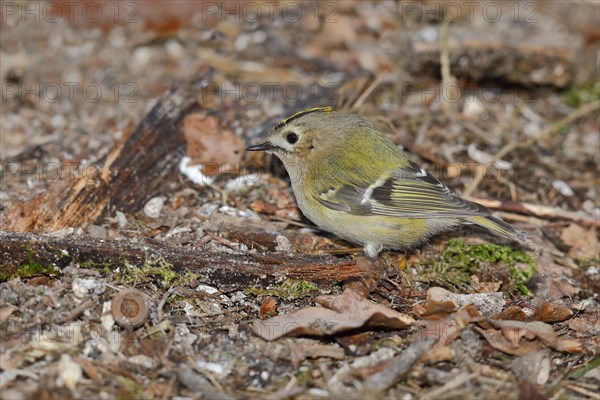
x=265, y=375
x=563, y=188
x=82, y=287
x=283, y=244
x=154, y=206
x=121, y=219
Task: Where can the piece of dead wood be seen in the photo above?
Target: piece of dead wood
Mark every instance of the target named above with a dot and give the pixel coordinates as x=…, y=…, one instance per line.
x=222, y=269
x=339, y=313
x=399, y=366
x=133, y=172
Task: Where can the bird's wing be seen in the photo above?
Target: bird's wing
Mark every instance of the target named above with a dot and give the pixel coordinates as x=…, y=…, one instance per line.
x=408, y=192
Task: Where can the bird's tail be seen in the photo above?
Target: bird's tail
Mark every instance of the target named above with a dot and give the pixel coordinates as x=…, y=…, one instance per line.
x=500, y=228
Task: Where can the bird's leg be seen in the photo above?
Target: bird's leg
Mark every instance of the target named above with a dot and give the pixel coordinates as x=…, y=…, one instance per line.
x=372, y=250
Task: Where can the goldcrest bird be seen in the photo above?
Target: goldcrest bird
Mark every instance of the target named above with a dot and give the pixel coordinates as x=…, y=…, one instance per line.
x=349, y=179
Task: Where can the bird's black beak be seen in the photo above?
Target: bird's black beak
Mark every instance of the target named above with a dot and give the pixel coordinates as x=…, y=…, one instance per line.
x=260, y=147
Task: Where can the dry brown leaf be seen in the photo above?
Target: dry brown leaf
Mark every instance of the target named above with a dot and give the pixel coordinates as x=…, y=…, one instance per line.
x=209, y=144
x=448, y=329
x=583, y=242
x=268, y=308
x=498, y=341
x=338, y=313
x=509, y=337
x=513, y=313
x=546, y=312
x=436, y=306
x=263, y=207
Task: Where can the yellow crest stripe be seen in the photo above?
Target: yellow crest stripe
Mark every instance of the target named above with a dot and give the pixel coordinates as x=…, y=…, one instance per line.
x=304, y=112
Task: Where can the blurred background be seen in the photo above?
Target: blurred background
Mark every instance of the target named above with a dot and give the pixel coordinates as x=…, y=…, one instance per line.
x=76, y=78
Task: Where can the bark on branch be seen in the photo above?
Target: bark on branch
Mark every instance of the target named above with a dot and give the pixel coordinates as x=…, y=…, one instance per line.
x=221, y=269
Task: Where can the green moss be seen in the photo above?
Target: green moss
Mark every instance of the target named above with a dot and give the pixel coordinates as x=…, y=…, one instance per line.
x=29, y=269
x=289, y=289
x=151, y=269
x=459, y=261
x=519, y=278
x=579, y=95
x=32, y=268
x=130, y=390
x=160, y=270
x=587, y=367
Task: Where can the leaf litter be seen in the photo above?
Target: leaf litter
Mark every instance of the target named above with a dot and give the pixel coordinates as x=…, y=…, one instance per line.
x=495, y=328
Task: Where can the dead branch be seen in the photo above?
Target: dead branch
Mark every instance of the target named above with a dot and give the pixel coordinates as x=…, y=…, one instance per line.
x=221, y=269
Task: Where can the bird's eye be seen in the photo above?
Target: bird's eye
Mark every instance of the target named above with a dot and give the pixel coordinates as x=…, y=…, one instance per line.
x=291, y=137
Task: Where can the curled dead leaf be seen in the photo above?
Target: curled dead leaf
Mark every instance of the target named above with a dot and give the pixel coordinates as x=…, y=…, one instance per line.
x=543, y=311
x=441, y=302
x=547, y=312
x=516, y=337
x=339, y=313
x=448, y=329
x=438, y=354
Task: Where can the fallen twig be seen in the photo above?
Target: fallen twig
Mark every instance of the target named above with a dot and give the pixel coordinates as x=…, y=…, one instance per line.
x=399, y=366
x=222, y=269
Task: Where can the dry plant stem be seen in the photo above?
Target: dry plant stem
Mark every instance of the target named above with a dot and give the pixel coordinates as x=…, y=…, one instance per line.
x=542, y=135
x=537, y=211
x=533, y=221
x=582, y=391
x=399, y=366
x=453, y=384
x=163, y=301
x=222, y=269
x=77, y=311
x=359, y=102
x=445, y=65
